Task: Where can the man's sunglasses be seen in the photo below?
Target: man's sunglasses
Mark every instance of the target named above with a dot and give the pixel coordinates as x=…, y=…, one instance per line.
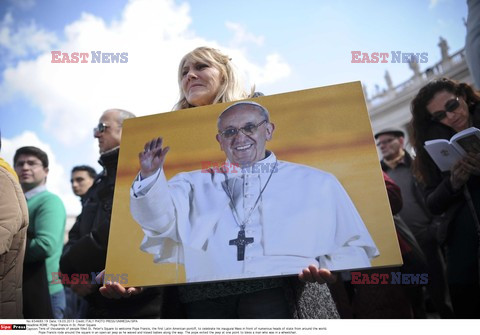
x=100, y=128
x=450, y=107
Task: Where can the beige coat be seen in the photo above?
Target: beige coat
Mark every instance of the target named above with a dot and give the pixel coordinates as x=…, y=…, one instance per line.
x=13, y=229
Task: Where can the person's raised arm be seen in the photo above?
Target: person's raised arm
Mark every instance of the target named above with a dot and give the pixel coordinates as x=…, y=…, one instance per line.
x=152, y=157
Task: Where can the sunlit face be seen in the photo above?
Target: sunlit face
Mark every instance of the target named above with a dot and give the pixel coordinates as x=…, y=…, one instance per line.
x=458, y=119
x=31, y=172
x=110, y=137
x=200, y=82
x=241, y=149
x=390, y=145
x=81, y=182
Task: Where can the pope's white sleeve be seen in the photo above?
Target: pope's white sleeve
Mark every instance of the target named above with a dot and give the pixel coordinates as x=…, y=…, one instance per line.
x=355, y=245
x=152, y=207
x=142, y=186
x=349, y=257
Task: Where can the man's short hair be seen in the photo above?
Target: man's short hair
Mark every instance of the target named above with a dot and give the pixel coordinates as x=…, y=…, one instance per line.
x=123, y=115
x=91, y=171
x=263, y=110
x=34, y=151
x=397, y=132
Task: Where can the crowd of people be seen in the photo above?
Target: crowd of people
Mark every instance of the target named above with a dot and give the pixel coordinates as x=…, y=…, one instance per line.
x=436, y=215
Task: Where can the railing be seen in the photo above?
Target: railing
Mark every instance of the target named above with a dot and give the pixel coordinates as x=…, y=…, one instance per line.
x=432, y=72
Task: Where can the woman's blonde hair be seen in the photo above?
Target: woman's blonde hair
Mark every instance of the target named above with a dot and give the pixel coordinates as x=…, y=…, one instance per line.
x=231, y=88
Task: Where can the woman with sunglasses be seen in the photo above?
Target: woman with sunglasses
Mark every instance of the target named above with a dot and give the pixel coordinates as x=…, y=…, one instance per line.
x=206, y=76
x=440, y=109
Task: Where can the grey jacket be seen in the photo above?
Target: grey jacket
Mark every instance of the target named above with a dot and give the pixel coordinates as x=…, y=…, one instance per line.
x=13, y=229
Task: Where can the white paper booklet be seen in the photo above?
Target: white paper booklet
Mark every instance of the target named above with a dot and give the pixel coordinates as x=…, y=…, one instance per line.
x=446, y=153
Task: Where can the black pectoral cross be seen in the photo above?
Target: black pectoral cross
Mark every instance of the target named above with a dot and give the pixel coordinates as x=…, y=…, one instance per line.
x=241, y=241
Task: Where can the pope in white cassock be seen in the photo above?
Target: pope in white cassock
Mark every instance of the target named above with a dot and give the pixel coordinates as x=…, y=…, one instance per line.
x=266, y=217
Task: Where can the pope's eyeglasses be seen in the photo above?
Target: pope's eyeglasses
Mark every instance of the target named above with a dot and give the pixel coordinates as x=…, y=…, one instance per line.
x=248, y=130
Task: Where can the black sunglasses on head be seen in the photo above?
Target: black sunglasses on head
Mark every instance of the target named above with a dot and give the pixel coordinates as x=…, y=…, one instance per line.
x=450, y=107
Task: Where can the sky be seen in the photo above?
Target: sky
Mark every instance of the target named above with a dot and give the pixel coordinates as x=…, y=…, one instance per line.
x=279, y=46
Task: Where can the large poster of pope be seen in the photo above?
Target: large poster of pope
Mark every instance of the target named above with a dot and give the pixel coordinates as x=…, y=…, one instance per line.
x=263, y=187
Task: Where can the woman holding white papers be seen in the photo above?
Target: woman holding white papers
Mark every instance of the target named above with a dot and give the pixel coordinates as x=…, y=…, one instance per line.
x=441, y=109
